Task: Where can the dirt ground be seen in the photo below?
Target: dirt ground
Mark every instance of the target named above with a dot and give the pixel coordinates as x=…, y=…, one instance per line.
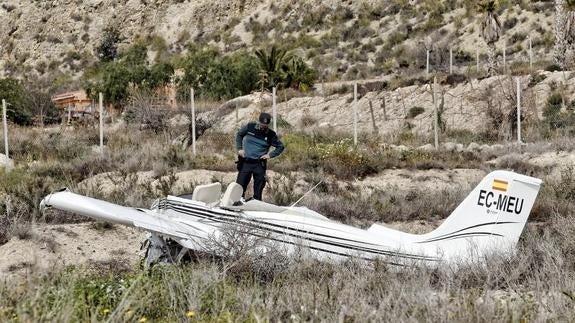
x=52, y=247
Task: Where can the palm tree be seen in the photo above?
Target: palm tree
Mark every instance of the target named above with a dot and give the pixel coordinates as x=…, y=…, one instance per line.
x=298, y=75
x=272, y=66
x=490, y=31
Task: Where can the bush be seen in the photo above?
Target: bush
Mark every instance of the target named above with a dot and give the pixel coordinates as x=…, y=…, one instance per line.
x=453, y=79
x=554, y=117
x=107, y=50
x=509, y=23
x=114, y=78
x=15, y=95
x=27, y=104
x=414, y=112
x=553, y=68
x=216, y=77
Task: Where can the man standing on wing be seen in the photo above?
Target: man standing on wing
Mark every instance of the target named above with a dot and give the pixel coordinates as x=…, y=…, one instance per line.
x=253, y=142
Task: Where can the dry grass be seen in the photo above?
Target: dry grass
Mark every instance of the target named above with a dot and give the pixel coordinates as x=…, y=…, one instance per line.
x=256, y=285
x=528, y=286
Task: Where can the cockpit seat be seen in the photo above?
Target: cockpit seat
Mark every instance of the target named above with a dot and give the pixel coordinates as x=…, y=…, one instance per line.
x=209, y=193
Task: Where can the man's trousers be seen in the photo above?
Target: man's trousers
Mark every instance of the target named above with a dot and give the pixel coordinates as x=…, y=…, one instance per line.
x=257, y=169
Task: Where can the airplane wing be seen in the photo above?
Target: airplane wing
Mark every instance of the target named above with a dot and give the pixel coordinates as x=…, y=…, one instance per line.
x=185, y=233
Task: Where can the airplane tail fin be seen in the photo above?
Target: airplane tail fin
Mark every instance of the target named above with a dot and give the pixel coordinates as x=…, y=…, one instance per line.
x=490, y=218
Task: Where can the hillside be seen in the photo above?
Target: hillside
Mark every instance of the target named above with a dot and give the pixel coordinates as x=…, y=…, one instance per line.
x=59, y=266
x=342, y=40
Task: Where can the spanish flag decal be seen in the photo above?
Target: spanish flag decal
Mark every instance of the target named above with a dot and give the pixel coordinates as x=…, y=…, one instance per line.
x=500, y=185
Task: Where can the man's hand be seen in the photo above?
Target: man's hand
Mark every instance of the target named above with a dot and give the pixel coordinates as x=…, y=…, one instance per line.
x=242, y=153
x=265, y=157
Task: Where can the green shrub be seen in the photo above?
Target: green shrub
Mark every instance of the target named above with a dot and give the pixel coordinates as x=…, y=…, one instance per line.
x=114, y=78
x=217, y=77
x=107, y=50
x=553, y=68
x=414, y=112
x=14, y=93
x=554, y=116
x=26, y=104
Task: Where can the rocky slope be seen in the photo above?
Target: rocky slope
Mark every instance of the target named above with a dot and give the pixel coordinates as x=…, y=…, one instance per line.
x=479, y=106
x=343, y=39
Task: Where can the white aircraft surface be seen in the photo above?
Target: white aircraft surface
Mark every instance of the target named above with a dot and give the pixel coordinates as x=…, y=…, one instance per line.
x=489, y=220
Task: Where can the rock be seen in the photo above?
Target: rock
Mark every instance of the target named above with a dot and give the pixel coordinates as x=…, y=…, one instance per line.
x=178, y=120
x=6, y=162
x=473, y=147
x=428, y=147
x=449, y=146
x=485, y=147
x=401, y=148
x=497, y=147
x=96, y=149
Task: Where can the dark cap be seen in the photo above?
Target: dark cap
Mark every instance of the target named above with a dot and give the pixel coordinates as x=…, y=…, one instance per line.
x=265, y=118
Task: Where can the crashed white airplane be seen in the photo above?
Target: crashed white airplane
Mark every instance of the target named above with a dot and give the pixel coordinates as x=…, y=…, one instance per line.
x=489, y=220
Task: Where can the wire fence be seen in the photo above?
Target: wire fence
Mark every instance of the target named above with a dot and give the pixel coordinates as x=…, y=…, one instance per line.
x=501, y=104
x=505, y=59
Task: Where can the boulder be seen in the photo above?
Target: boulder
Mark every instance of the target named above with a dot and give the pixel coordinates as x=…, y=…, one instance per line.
x=428, y=147
x=6, y=162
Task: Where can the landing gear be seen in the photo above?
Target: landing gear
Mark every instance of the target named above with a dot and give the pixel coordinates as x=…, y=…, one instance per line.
x=159, y=250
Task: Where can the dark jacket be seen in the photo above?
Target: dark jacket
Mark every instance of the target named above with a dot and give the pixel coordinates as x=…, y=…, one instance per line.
x=256, y=142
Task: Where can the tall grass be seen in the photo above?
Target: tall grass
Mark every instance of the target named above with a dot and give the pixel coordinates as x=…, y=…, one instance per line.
x=532, y=285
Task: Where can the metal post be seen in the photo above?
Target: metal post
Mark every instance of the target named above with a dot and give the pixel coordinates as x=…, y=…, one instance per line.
x=504, y=61
x=5, y=123
x=450, y=60
x=530, y=54
x=372, y=117
x=355, y=113
x=274, y=109
x=69, y=114
x=193, y=107
x=477, y=60
x=237, y=114
x=427, y=64
x=384, y=108
x=435, y=110
x=101, y=102
x=518, y=110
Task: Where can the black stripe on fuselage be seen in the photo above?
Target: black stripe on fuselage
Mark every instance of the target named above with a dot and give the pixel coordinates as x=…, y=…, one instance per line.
x=464, y=235
x=471, y=227
x=204, y=213
x=234, y=215
x=315, y=248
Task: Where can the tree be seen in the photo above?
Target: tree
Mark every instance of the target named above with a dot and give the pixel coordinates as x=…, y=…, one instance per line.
x=107, y=50
x=272, y=66
x=281, y=69
x=160, y=74
x=27, y=103
x=299, y=75
x=16, y=97
x=130, y=69
x=245, y=67
x=42, y=107
x=217, y=77
x=490, y=31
